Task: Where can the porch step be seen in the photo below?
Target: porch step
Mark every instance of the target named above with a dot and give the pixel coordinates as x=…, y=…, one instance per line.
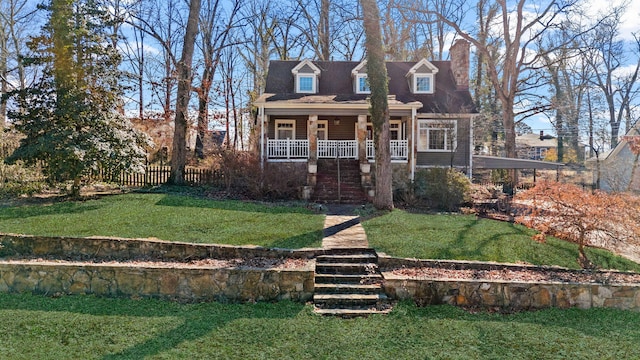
x=347, y=190
x=348, y=283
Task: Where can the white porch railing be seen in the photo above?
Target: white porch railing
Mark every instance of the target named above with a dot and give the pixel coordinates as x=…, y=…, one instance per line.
x=331, y=149
x=343, y=149
x=287, y=149
x=399, y=150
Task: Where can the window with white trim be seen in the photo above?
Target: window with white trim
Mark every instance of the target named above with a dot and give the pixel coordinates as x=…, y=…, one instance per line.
x=395, y=130
x=306, y=83
x=423, y=84
x=285, y=129
x=323, y=129
x=543, y=153
x=437, y=135
x=362, y=84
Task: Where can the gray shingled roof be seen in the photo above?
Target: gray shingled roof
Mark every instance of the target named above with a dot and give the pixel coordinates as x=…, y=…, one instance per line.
x=335, y=79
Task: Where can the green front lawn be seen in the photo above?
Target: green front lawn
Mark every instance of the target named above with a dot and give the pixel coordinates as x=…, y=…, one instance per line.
x=466, y=237
x=82, y=327
x=169, y=217
x=175, y=217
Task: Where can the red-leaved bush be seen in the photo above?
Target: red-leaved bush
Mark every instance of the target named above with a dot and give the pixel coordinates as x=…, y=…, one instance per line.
x=581, y=216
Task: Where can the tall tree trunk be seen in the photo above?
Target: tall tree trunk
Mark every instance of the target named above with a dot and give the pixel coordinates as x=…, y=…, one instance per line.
x=203, y=110
x=377, y=75
x=179, y=154
x=4, y=88
x=324, y=31
x=141, y=65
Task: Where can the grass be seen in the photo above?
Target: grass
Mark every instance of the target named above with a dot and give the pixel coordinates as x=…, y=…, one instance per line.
x=35, y=327
x=466, y=237
x=180, y=217
x=169, y=217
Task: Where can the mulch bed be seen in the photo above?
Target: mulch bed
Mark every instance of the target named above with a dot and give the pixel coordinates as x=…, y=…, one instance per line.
x=252, y=263
x=520, y=275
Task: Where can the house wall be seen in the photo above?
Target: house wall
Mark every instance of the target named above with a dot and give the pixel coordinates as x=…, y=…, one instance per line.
x=460, y=156
x=615, y=172
x=346, y=130
x=301, y=125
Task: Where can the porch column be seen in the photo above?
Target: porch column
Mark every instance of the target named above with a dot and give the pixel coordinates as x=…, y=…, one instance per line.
x=361, y=136
x=312, y=136
x=407, y=124
x=263, y=120
x=412, y=132
x=365, y=167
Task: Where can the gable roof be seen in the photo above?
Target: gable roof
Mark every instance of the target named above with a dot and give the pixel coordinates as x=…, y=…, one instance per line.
x=422, y=67
x=306, y=67
x=337, y=85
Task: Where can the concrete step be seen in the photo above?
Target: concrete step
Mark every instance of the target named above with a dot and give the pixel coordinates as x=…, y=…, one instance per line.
x=345, y=301
x=347, y=258
x=349, y=313
x=346, y=268
x=350, y=251
x=348, y=279
x=347, y=288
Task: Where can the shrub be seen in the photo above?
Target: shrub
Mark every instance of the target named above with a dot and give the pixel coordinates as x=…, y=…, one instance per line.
x=243, y=174
x=438, y=188
x=17, y=179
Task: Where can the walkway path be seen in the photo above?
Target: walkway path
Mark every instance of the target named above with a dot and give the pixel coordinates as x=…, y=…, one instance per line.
x=342, y=230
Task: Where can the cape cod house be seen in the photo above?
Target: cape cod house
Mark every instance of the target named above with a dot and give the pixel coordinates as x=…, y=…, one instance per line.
x=317, y=113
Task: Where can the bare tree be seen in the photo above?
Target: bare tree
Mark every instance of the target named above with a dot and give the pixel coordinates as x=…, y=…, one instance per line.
x=377, y=75
x=134, y=56
x=607, y=55
x=518, y=32
x=178, y=158
x=16, y=22
x=216, y=27
x=161, y=21
x=427, y=35
x=315, y=26
x=348, y=34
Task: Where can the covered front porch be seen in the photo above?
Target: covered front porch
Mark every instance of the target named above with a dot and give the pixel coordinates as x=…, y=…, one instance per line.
x=343, y=136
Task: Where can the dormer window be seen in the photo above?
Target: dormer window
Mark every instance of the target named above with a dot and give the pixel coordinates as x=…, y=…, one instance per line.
x=360, y=80
x=362, y=84
x=422, y=84
x=306, y=83
x=421, y=77
x=306, y=76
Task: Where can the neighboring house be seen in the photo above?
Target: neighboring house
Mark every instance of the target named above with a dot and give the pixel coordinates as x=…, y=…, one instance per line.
x=313, y=111
x=618, y=167
x=535, y=147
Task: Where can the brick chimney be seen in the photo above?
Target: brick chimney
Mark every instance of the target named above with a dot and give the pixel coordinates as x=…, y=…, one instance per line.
x=459, y=53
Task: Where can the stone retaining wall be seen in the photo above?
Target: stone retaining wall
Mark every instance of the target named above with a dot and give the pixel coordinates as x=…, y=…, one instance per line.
x=193, y=284
x=512, y=296
x=178, y=284
x=121, y=248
